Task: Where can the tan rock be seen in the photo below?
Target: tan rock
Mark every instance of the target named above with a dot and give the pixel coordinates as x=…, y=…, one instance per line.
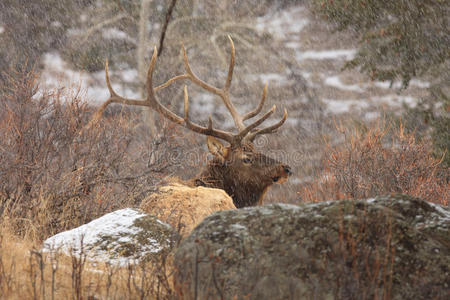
x=184, y=207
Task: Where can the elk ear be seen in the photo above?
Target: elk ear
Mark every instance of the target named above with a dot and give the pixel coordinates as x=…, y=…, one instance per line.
x=217, y=148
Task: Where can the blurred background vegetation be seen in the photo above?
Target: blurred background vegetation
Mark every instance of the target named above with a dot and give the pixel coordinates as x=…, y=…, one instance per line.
x=402, y=40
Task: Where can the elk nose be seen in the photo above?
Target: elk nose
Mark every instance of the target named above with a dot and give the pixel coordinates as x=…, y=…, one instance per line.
x=287, y=169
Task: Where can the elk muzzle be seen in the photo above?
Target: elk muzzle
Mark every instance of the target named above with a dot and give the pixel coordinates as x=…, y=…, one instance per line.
x=283, y=175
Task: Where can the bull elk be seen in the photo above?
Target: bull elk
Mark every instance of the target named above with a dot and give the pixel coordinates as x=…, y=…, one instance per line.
x=237, y=167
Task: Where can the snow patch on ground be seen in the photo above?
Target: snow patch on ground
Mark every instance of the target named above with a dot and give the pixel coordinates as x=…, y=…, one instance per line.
x=282, y=23
x=269, y=78
x=336, y=82
x=118, y=224
x=2, y=29
x=339, y=106
x=292, y=121
x=344, y=106
x=397, y=85
x=56, y=74
x=396, y=100
x=113, y=33
x=306, y=75
x=116, y=34
x=419, y=83
x=372, y=115
x=293, y=44
x=203, y=104
x=129, y=75
x=346, y=54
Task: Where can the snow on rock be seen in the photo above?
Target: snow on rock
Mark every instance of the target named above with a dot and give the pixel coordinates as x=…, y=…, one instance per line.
x=118, y=237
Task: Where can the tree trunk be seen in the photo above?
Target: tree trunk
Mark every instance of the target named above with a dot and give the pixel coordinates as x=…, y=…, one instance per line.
x=142, y=63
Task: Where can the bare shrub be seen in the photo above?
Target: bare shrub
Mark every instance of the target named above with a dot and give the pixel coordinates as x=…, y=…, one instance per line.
x=55, y=174
x=376, y=160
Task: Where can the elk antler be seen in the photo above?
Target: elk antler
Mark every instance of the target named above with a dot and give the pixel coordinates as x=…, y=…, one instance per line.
x=245, y=133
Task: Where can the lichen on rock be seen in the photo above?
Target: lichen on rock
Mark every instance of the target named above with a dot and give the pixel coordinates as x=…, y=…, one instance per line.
x=392, y=246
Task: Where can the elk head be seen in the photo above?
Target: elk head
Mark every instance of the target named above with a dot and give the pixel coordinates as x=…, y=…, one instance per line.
x=237, y=168
x=242, y=172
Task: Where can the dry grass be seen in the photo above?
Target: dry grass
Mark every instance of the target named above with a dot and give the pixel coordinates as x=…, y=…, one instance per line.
x=26, y=272
x=376, y=160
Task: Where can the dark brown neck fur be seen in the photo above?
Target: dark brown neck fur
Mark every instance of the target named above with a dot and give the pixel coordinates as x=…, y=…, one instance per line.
x=215, y=176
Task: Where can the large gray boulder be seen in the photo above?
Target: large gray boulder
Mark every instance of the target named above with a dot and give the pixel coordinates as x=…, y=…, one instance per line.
x=394, y=247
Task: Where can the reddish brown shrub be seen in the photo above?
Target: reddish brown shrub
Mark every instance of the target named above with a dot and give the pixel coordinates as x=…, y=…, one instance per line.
x=55, y=173
x=378, y=160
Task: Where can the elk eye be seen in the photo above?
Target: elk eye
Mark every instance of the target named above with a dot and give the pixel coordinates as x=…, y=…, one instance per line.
x=246, y=160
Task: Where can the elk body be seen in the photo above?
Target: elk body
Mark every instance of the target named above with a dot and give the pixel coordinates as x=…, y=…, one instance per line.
x=237, y=168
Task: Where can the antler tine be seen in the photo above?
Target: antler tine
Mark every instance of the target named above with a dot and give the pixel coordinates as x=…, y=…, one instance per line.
x=153, y=102
x=231, y=67
x=200, y=129
x=267, y=130
x=108, y=82
x=247, y=133
x=259, y=107
x=222, y=93
x=115, y=98
x=241, y=135
x=197, y=80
